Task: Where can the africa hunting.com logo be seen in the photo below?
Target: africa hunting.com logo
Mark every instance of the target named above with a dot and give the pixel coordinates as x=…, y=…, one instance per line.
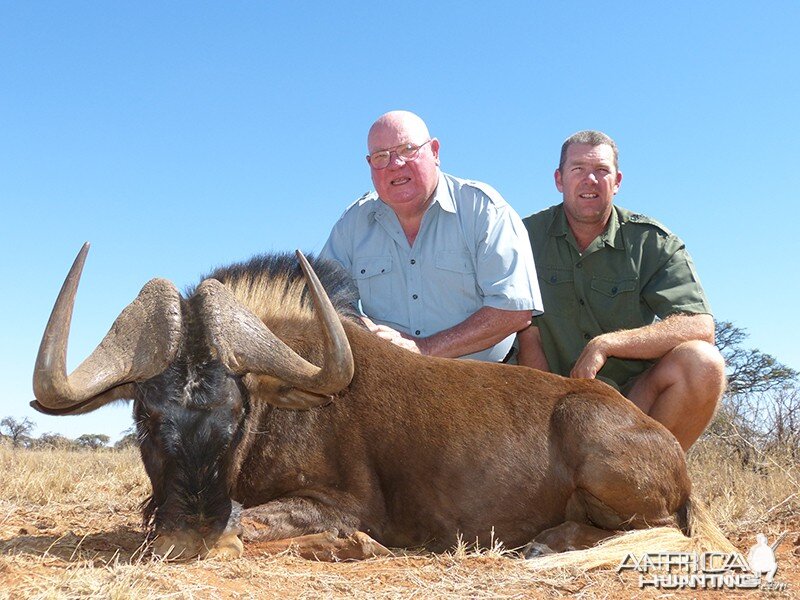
x=708, y=570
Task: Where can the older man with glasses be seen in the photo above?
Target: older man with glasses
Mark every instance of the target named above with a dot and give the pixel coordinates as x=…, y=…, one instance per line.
x=443, y=265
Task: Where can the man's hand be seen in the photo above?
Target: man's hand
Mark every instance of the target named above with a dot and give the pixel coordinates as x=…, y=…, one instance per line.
x=591, y=360
x=483, y=328
x=531, y=353
x=392, y=335
x=650, y=342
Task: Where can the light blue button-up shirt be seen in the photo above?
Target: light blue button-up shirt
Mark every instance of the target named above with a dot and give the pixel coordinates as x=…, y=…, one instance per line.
x=472, y=250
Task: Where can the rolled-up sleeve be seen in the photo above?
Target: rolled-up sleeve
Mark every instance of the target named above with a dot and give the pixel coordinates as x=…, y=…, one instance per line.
x=338, y=245
x=675, y=287
x=504, y=262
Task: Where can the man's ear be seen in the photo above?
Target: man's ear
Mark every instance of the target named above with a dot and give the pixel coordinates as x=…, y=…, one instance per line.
x=559, y=183
x=619, y=181
x=435, y=149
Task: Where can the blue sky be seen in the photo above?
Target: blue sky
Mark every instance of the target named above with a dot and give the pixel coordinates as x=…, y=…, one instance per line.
x=179, y=136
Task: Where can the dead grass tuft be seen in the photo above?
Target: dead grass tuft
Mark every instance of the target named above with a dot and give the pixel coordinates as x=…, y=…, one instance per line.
x=745, y=494
x=70, y=528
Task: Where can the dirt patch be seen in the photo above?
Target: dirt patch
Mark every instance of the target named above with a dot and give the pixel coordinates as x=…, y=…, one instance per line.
x=70, y=527
x=94, y=562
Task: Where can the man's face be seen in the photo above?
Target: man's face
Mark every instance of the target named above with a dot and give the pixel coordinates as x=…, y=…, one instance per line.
x=404, y=185
x=588, y=180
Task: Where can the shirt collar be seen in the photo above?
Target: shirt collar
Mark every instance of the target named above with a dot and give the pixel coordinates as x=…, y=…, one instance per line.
x=442, y=196
x=612, y=235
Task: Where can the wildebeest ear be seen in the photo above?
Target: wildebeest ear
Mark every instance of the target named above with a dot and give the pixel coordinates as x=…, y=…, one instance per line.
x=121, y=392
x=295, y=399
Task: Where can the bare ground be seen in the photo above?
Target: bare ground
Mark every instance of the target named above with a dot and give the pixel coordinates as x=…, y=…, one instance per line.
x=70, y=528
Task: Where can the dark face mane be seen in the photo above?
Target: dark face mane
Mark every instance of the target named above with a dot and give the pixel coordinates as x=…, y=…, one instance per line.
x=267, y=281
x=190, y=418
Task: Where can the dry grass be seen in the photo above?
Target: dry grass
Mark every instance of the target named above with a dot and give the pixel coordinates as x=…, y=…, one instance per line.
x=746, y=496
x=69, y=528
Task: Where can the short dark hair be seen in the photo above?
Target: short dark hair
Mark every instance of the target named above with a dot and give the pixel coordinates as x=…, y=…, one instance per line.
x=591, y=137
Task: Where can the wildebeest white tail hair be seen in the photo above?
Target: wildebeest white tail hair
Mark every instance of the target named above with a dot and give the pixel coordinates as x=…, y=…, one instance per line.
x=702, y=535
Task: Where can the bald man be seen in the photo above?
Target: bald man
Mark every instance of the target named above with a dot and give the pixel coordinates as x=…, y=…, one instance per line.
x=443, y=265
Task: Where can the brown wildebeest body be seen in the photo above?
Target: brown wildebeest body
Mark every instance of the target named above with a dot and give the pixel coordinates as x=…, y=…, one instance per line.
x=458, y=447
x=413, y=451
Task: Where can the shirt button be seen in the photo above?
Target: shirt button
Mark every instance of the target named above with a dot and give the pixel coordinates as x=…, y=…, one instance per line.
x=579, y=265
x=581, y=302
x=614, y=290
x=415, y=296
x=586, y=336
x=413, y=262
x=417, y=332
x=363, y=271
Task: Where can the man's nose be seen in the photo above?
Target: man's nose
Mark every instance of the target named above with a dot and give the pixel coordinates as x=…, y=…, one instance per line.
x=395, y=160
x=592, y=177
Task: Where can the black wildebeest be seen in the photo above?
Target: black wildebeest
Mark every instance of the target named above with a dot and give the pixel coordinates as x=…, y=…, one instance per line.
x=231, y=407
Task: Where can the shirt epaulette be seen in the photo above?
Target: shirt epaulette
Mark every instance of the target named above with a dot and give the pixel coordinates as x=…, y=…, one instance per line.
x=365, y=197
x=486, y=189
x=638, y=218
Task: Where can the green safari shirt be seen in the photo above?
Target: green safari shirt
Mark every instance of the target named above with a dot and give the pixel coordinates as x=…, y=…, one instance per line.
x=633, y=273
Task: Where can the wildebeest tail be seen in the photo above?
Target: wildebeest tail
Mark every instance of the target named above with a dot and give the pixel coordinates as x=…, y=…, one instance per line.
x=698, y=533
x=696, y=523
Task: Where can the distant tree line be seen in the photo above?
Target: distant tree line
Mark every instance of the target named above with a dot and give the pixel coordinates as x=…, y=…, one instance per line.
x=760, y=410
x=17, y=433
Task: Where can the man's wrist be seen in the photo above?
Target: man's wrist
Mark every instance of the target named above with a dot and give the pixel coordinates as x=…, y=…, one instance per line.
x=423, y=344
x=602, y=344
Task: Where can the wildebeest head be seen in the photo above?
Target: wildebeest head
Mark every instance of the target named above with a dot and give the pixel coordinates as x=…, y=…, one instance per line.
x=183, y=362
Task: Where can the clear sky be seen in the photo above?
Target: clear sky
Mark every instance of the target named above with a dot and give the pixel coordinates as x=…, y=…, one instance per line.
x=179, y=136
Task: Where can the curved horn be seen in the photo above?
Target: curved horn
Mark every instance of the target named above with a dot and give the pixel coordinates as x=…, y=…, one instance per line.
x=140, y=344
x=246, y=345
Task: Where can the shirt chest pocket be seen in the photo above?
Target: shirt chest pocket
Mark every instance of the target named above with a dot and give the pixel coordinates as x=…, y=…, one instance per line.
x=455, y=274
x=558, y=291
x=373, y=276
x=616, y=302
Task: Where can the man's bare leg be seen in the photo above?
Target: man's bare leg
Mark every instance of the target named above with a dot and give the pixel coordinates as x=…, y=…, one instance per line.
x=682, y=390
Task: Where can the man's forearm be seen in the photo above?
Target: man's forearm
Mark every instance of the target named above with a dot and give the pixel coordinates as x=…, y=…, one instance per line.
x=654, y=341
x=479, y=331
x=531, y=352
x=643, y=343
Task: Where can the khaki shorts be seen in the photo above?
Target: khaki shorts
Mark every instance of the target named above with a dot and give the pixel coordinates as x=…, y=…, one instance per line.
x=626, y=386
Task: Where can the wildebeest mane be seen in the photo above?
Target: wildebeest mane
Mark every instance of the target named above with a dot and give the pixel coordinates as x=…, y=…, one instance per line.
x=273, y=285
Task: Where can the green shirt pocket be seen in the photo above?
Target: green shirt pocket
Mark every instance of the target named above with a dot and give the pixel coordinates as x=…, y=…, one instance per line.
x=613, y=287
x=615, y=302
x=558, y=291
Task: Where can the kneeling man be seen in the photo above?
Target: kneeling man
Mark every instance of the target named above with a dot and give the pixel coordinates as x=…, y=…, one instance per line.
x=622, y=299
x=443, y=265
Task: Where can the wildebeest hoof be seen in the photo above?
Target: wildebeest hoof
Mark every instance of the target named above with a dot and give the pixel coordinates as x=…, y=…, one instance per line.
x=228, y=547
x=535, y=550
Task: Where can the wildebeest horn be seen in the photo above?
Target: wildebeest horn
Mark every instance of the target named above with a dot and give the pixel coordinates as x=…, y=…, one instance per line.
x=140, y=344
x=246, y=345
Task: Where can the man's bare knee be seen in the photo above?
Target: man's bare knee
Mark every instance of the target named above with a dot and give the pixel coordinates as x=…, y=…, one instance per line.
x=702, y=365
x=682, y=390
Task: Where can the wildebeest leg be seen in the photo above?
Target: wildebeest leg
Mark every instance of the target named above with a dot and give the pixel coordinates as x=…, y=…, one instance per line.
x=295, y=516
x=575, y=533
x=628, y=472
x=328, y=546
x=564, y=537
x=313, y=529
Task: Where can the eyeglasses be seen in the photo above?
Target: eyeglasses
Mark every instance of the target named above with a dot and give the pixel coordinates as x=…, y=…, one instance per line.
x=406, y=152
